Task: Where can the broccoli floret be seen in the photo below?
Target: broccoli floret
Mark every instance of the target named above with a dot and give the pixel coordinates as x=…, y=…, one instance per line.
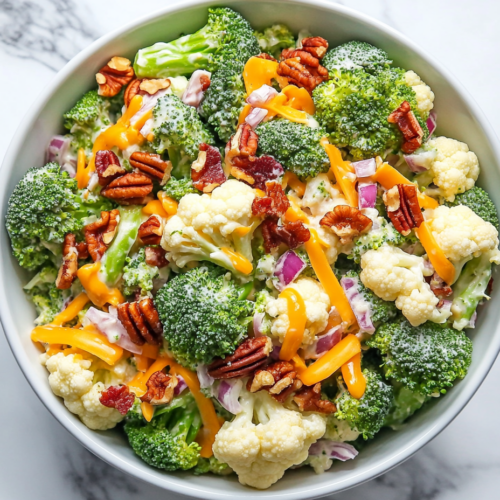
x=296, y=146
x=470, y=289
x=179, y=130
x=426, y=359
x=367, y=414
x=202, y=316
x=212, y=465
x=274, y=39
x=44, y=206
x=223, y=101
x=406, y=403
x=138, y=274
x=479, y=201
x=227, y=39
x=167, y=442
x=354, y=106
x=356, y=55
x=87, y=118
x=177, y=188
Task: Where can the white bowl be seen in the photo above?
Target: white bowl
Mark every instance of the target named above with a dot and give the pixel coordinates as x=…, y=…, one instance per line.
x=459, y=117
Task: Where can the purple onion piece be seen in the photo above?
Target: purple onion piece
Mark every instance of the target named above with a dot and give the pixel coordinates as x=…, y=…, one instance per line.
x=333, y=449
x=180, y=386
x=324, y=343
x=472, y=321
x=421, y=161
x=365, y=168
x=261, y=95
x=58, y=149
x=194, y=92
x=205, y=379
x=431, y=123
x=288, y=267
x=445, y=305
x=255, y=117
x=360, y=307
x=229, y=393
x=275, y=353
x=367, y=195
x=257, y=324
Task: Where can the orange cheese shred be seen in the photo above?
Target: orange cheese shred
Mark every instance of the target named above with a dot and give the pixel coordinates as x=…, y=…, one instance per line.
x=329, y=363
x=299, y=98
x=299, y=363
x=258, y=72
x=244, y=113
x=278, y=105
x=98, y=292
x=82, y=177
x=444, y=268
x=353, y=377
x=240, y=263
x=71, y=312
x=291, y=179
x=148, y=411
x=169, y=205
x=296, y=311
x=154, y=207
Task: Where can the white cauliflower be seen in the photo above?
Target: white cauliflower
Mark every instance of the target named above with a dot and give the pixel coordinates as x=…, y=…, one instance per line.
x=207, y=224
x=454, y=168
x=462, y=234
x=72, y=378
x=395, y=275
x=317, y=305
x=339, y=430
x=322, y=196
x=260, y=453
x=423, y=93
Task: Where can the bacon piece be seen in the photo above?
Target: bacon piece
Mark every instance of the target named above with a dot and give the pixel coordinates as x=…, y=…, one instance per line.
x=275, y=204
x=206, y=171
x=260, y=170
x=293, y=234
x=118, y=397
x=438, y=287
x=407, y=123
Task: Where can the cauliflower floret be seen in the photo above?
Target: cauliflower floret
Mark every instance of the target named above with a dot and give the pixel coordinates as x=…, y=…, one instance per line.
x=265, y=267
x=322, y=196
x=317, y=305
x=455, y=169
x=72, y=379
x=261, y=453
x=339, y=430
x=424, y=94
x=462, y=234
x=395, y=275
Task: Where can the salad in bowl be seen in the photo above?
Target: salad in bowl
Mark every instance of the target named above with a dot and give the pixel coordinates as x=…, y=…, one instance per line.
x=252, y=251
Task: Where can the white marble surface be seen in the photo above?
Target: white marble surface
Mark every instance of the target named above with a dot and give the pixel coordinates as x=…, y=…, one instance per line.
x=38, y=458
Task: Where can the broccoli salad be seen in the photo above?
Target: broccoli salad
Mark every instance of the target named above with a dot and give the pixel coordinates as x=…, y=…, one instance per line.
x=251, y=251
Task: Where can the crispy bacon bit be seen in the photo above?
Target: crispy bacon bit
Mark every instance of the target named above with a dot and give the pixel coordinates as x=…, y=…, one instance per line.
x=108, y=167
x=205, y=82
x=412, y=132
x=100, y=234
x=69, y=266
x=309, y=399
x=206, y=171
x=275, y=204
x=315, y=45
x=260, y=170
x=439, y=288
x=155, y=256
x=151, y=230
x=118, y=397
x=402, y=207
x=292, y=234
x=160, y=389
x=263, y=55
x=346, y=222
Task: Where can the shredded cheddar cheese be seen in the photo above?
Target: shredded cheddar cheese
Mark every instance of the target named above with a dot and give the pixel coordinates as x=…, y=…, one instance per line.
x=98, y=292
x=296, y=311
x=353, y=377
x=240, y=263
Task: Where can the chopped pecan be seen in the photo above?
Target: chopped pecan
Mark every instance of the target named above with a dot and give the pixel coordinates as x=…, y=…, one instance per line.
x=292, y=234
x=256, y=171
x=248, y=357
x=141, y=321
x=309, y=399
x=407, y=123
x=243, y=143
x=155, y=256
x=299, y=74
x=206, y=171
x=118, y=397
x=131, y=91
x=402, y=207
x=151, y=230
x=112, y=77
x=129, y=189
x=346, y=222
x=69, y=266
x=153, y=85
x=263, y=55
x=160, y=389
x=275, y=204
x=438, y=287
x=306, y=58
x=315, y=45
x=100, y=234
x=83, y=251
x=108, y=167
x=152, y=165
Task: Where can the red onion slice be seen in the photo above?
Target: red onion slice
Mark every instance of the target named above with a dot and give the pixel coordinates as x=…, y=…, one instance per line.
x=58, y=149
x=324, y=343
x=194, y=92
x=255, y=117
x=257, y=324
x=288, y=267
x=421, y=162
x=365, y=168
x=275, y=353
x=360, y=307
x=472, y=321
x=333, y=449
x=367, y=195
x=431, y=123
x=205, y=379
x=181, y=386
x=261, y=95
x=229, y=393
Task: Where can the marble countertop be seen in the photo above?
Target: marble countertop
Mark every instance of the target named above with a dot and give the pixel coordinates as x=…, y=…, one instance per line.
x=38, y=458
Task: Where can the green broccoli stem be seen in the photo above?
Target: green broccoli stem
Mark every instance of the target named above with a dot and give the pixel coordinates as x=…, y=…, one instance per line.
x=470, y=289
x=246, y=290
x=114, y=259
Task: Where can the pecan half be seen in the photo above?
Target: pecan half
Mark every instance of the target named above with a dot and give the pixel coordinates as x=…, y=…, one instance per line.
x=346, y=222
x=112, y=77
x=315, y=45
x=152, y=165
x=408, y=125
x=248, y=357
x=243, y=143
x=263, y=55
x=160, y=389
x=402, y=207
x=151, y=230
x=108, y=167
x=131, y=91
x=100, y=234
x=256, y=171
x=69, y=266
x=129, y=189
x=206, y=170
x=301, y=75
x=275, y=204
x=309, y=399
x=144, y=86
x=118, y=397
x=155, y=256
x=82, y=249
x=306, y=58
x=292, y=234
x=438, y=287
x=141, y=321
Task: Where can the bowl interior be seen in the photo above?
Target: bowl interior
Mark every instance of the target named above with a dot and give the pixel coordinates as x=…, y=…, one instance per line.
x=458, y=117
